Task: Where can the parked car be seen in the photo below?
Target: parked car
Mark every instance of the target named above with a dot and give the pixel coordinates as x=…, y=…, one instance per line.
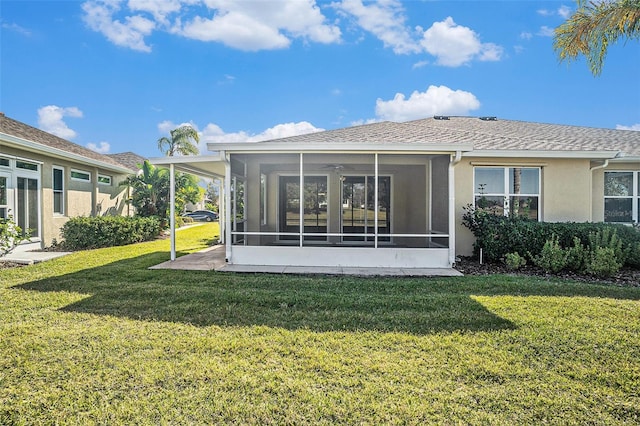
x=203, y=215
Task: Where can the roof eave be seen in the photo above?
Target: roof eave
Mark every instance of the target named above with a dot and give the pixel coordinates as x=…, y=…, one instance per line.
x=59, y=153
x=520, y=153
x=315, y=147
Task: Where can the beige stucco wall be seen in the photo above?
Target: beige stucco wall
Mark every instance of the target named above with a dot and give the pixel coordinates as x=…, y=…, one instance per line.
x=566, y=191
x=80, y=198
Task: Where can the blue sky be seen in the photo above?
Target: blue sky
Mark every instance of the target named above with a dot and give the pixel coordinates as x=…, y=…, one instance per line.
x=117, y=75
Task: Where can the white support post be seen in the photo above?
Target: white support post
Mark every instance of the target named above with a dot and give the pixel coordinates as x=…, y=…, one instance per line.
x=172, y=209
x=227, y=206
x=376, y=200
x=452, y=208
x=301, y=198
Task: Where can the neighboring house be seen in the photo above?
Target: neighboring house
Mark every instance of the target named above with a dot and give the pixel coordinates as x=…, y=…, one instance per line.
x=45, y=180
x=393, y=194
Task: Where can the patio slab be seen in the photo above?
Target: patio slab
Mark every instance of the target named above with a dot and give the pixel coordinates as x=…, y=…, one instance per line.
x=213, y=259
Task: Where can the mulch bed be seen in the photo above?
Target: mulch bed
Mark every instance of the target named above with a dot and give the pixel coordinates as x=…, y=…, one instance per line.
x=469, y=266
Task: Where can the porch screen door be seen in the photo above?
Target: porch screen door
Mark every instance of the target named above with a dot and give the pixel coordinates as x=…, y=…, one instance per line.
x=315, y=206
x=27, y=214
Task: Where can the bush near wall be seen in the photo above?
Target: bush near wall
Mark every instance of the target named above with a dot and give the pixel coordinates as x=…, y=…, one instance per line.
x=80, y=233
x=499, y=235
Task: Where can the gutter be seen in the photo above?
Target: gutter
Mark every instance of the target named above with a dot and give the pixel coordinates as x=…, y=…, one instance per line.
x=59, y=153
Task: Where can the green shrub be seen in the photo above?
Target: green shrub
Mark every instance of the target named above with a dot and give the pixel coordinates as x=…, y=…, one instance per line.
x=603, y=262
x=552, y=258
x=514, y=261
x=498, y=235
x=81, y=233
x=608, y=238
x=577, y=256
x=10, y=235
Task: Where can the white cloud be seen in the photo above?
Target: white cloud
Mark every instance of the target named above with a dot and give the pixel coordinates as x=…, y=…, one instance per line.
x=545, y=31
x=436, y=100
x=213, y=133
x=253, y=26
x=16, y=28
x=385, y=20
x=454, y=45
x=564, y=11
x=635, y=127
x=50, y=119
x=525, y=35
x=130, y=33
x=101, y=147
x=419, y=64
x=243, y=25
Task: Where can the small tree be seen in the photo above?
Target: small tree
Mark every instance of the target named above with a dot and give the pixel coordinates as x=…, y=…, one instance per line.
x=151, y=188
x=180, y=142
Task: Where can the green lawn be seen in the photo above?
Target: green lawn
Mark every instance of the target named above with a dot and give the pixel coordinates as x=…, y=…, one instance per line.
x=96, y=338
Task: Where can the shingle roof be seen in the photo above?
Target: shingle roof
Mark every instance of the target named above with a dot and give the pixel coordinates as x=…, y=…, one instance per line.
x=21, y=130
x=128, y=159
x=483, y=134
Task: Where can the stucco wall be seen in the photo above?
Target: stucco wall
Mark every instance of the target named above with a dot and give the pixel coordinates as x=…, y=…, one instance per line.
x=80, y=198
x=566, y=191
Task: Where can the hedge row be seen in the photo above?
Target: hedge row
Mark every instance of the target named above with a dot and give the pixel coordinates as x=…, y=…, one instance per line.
x=499, y=235
x=80, y=233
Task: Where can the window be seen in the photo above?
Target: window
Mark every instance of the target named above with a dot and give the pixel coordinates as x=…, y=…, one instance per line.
x=104, y=180
x=26, y=165
x=4, y=204
x=508, y=190
x=263, y=199
x=4, y=162
x=80, y=175
x=621, y=197
x=58, y=190
x=315, y=206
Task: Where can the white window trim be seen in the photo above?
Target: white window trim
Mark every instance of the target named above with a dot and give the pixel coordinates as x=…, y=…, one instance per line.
x=635, y=195
x=101, y=176
x=54, y=191
x=506, y=194
x=79, y=179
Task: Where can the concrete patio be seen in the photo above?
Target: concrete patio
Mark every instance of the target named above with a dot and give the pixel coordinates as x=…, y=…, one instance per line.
x=213, y=259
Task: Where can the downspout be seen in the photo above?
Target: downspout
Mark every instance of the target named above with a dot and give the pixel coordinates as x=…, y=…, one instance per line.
x=602, y=166
x=227, y=204
x=454, y=159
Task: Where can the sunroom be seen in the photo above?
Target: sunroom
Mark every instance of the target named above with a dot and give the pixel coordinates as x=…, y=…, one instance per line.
x=361, y=205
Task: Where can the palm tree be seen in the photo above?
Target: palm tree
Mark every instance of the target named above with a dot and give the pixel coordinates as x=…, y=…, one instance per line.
x=180, y=142
x=593, y=27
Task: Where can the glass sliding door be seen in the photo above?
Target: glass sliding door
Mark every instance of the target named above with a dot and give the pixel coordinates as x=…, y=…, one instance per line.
x=315, y=207
x=358, y=207
x=27, y=206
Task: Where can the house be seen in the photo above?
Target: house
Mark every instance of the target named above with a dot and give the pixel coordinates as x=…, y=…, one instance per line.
x=45, y=180
x=393, y=194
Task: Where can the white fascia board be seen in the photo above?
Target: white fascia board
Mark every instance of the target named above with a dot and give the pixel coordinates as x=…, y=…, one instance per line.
x=59, y=153
x=522, y=153
x=288, y=147
x=201, y=165
x=624, y=159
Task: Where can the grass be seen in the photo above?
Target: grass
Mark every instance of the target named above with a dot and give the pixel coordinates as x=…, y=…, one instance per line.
x=97, y=338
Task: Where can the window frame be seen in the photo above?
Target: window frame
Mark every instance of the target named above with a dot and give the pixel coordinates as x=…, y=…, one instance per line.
x=634, y=196
x=107, y=177
x=507, y=194
x=77, y=179
x=58, y=191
